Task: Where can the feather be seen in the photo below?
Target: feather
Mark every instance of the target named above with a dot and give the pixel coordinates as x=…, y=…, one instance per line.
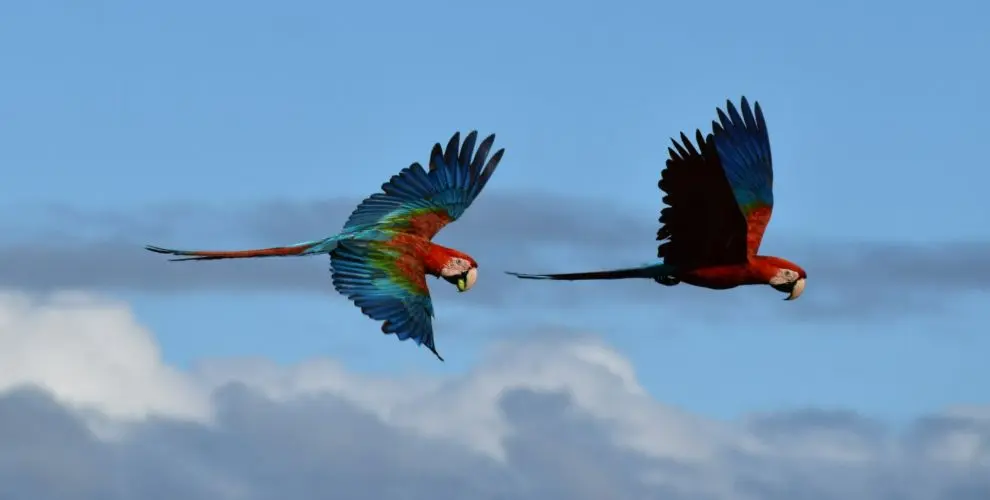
x=743, y=145
x=702, y=225
x=656, y=271
x=299, y=249
x=420, y=201
x=719, y=194
x=388, y=285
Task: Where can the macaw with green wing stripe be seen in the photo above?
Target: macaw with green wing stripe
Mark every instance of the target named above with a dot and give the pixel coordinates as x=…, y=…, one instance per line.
x=719, y=198
x=384, y=252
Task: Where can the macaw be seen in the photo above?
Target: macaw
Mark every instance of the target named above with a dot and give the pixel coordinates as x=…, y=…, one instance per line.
x=720, y=198
x=384, y=252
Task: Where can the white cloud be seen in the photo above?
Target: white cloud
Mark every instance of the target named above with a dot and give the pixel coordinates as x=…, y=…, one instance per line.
x=554, y=418
x=92, y=353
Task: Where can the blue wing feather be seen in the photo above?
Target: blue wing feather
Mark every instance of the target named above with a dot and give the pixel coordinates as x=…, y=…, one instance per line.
x=454, y=180
x=380, y=296
x=743, y=146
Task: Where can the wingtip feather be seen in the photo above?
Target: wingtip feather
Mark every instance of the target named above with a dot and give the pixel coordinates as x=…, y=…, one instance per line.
x=453, y=145
x=494, y=160
x=467, y=148
x=436, y=156
x=435, y=353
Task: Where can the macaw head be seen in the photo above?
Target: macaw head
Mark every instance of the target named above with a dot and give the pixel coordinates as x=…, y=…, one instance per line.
x=461, y=271
x=788, y=278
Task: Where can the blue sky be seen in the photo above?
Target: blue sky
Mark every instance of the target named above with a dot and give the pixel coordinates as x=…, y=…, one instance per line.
x=876, y=113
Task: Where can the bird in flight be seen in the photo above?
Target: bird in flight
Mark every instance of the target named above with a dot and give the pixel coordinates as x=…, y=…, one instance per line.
x=719, y=198
x=381, y=257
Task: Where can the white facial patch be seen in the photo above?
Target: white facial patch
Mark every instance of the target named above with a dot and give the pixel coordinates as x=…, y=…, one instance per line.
x=783, y=276
x=456, y=266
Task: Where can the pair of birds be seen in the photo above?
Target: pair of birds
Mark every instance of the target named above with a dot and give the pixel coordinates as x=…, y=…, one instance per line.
x=718, y=192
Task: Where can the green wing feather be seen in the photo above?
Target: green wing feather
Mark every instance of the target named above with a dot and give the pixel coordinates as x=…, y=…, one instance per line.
x=387, y=285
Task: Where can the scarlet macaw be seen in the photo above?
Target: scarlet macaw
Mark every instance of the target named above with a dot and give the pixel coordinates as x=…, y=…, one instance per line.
x=720, y=199
x=382, y=255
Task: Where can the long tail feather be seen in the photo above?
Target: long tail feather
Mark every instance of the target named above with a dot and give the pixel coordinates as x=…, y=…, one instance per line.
x=651, y=271
x=308, y=248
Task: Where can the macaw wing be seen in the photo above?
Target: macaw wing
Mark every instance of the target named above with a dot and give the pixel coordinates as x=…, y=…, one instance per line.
x=702, y=225
x=743, y=146
x=420, y=202
x=388, y=285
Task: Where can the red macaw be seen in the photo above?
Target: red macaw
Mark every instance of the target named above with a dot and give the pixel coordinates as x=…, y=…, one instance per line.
x=383, y=254
x=720, y=199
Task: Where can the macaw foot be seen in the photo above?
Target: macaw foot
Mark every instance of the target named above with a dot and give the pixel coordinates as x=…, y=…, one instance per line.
x=667, y=280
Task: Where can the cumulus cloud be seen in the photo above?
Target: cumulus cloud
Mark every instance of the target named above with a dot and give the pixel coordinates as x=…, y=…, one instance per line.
x=90, y=352
x=544, y=419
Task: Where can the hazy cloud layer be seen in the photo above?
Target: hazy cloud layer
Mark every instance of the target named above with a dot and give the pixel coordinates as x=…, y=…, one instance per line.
x=521, y=232
x=495, y=218
x=540, y=420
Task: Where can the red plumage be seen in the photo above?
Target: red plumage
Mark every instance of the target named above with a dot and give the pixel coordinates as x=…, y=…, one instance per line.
x=719, y=196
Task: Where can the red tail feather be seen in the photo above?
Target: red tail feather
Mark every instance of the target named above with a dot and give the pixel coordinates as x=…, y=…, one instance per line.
x=234, y=254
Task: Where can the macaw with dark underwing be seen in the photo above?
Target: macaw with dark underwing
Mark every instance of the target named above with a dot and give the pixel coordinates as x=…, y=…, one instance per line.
x=720, y=197
x=383, y=254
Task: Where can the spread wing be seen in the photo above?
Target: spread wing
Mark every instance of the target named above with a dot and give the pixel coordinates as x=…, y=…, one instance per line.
x=743, y=146
x=388, y=285
x=702, y=225
x=420, y=202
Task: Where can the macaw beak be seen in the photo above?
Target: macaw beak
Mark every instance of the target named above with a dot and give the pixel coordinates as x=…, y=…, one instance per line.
x=467, y=280
x=797, y=290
